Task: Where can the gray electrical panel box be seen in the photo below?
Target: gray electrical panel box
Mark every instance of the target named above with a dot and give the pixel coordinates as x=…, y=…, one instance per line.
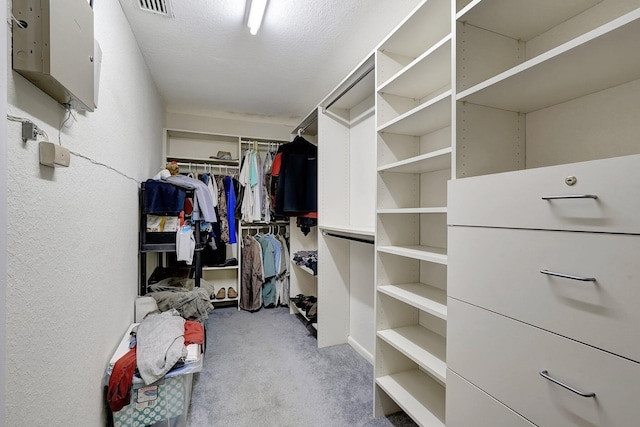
x=53, y=48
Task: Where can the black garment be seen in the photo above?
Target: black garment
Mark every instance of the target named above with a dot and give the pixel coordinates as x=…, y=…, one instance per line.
x=297, y=188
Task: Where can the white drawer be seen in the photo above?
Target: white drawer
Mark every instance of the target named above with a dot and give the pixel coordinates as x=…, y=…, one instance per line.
x=504, y=357
x=467, y=404
x=514, y=199
x=499, y=269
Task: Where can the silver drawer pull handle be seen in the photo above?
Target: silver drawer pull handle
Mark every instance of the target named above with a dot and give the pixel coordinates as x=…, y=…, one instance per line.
x=571, y=196
x=568, y=276
x=545, y=374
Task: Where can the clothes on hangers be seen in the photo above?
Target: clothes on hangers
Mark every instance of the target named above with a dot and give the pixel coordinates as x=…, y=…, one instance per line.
x=252, y=275
x=203, y=203
x=297, y=184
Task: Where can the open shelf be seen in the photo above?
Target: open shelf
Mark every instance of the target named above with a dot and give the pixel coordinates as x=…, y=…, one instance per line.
x=305, y=269
x=419, y=396
x=212, y=268
x=421, y=345
x=598, y=60
x=427, y=298
x=303, y=314
x=420, y=30
x=513, y=18
x=424, y=253
x=429, y=162
x=426, y=118
x=436, y=210
x=426, y=74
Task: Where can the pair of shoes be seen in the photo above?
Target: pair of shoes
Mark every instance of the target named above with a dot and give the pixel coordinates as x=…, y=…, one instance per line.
x=312, y=313
x=223, y=293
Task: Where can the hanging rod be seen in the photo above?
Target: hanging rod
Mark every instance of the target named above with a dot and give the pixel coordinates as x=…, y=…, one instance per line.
x=208, y=165
x=341, y=236
x=343, y=93
x=262, y=143
x=301, y=129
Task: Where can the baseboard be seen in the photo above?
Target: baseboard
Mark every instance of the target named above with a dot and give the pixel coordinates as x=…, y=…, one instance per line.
x=360, y=349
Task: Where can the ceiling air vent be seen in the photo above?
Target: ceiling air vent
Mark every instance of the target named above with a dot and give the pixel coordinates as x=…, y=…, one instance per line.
x=161, y=7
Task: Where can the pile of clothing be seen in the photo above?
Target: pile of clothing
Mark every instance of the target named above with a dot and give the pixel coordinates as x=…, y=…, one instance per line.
x=157, y=346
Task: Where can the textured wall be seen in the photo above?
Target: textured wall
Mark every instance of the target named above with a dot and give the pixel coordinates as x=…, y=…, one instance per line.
x=72, y=234
x=3, y=208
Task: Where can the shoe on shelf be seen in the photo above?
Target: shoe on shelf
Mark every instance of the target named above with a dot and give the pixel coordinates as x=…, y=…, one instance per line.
x=231, y=293
x=221, y=294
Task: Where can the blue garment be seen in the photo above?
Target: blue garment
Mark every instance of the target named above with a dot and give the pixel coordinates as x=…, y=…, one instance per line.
x=162, y=198
x=231, y=208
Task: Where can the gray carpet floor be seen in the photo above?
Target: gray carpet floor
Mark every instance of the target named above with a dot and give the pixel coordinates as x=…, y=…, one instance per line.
x=264, y=369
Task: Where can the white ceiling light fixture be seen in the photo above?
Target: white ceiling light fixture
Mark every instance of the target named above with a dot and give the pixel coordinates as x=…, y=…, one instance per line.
x=256, y=13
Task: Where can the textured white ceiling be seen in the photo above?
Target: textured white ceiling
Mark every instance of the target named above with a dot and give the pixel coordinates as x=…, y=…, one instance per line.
x=204, y=61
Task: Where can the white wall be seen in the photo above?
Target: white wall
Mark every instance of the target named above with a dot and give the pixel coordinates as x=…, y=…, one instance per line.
x=72, y=235
x=3, y=208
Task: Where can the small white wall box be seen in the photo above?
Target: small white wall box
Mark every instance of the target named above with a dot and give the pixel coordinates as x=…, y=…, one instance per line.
x=53, y=154
x=53, y=48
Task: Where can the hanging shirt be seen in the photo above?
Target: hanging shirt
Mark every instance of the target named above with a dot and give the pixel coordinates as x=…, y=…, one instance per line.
x=231, y=207
x=203, y=204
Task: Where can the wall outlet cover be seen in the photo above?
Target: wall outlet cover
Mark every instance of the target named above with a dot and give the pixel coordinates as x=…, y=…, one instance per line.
x=53, y=155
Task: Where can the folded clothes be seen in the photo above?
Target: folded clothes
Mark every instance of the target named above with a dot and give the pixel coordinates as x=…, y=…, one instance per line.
x=308, y=259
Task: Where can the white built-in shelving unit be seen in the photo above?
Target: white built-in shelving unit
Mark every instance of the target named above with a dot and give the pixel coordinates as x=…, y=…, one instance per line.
x=346, y=212
x=302, y=279
x=541, y=213
x=414, y=100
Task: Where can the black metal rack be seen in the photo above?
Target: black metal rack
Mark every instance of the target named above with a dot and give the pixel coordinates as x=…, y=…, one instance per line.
x=161, y=243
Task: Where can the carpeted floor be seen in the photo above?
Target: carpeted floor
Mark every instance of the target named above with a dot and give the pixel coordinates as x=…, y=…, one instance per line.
x=264, y=369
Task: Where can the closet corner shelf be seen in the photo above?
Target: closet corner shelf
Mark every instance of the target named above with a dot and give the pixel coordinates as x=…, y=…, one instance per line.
x=305, y=269
x=520, y=26
x=213, y=300
x=430, y=19
x=421, y=345
x=303, y=314
x=363, y=231
x=410, y=82
x=424, y=297
x=418, y=395
x=201, y=161
x=428, y=117
x=574, y=69
x=213, y=268
x=434, y=210
x=423, y=253
x=429, y=162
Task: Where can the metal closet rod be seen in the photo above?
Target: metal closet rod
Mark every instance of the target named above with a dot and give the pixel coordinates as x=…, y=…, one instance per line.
x=343, y=93
x=342, y=236
x=301, y=129
x=208, y=165
x=263, y=142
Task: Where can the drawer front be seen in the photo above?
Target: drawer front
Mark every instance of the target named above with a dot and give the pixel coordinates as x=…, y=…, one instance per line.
x=514, y=199
x=467, y=404
x=504, y=357
x=499, y=269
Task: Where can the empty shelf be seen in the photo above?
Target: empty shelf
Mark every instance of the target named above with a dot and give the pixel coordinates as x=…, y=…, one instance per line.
x=424, y=253
x=426, y=118
x=418, y=395
x=421, y=345
x=429, y=162
x=424, y=297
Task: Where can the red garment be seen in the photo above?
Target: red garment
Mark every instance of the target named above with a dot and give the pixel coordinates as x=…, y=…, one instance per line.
x=193, y=332
x=121, y=379
x=188, y=206
x=119, y=392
